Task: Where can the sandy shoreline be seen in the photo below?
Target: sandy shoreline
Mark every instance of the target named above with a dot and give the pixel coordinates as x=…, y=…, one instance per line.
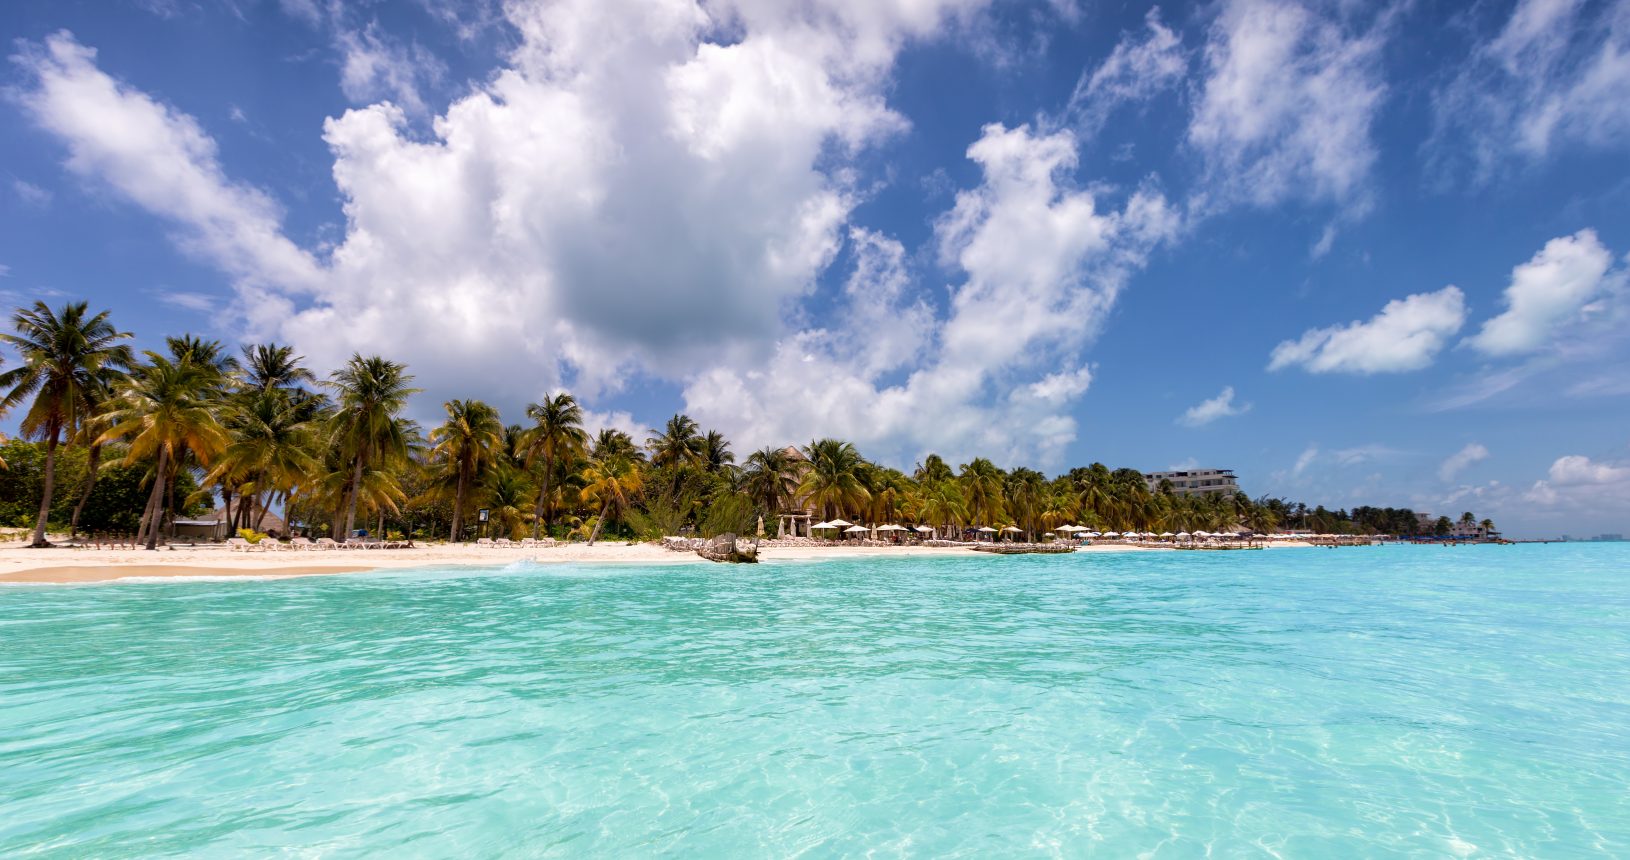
x=22, y=565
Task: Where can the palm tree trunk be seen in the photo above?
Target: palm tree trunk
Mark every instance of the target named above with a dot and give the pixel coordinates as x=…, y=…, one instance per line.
x=351, y=505
x=226, y=503
x=93, y=461
x=50, y=486
x=458, y=508
x=598, y=523
x=537, y=510
x=156, y=502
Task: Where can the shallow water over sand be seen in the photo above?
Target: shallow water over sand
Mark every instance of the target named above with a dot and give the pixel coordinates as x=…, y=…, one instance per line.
x=1359, y=702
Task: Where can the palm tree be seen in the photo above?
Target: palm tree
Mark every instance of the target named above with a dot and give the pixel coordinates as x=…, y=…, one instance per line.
x=167, y=410
x=267, y=366
x=832, y=482
x=372, y=393
x=943, y=505
x=611, y=442
x=271, y=448
x=466, y=442
x=612, y=482
x=556, y=434
x=69, y=363
x=715, y=452
x=982, y=485
x=678, y=444
x=770, y=479
x=508, y=496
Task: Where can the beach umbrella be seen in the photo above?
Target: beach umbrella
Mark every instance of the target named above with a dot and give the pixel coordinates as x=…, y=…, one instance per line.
x=1012, y=529
x=891, y=527
x=1111, y=534
x=1167, y=534
x=986, y=529
x=1093, y=534
x=925, y=529
x=856, y=529
x=822, y=526
x=1048, y=534
x=840, y=524
x=1183, y=535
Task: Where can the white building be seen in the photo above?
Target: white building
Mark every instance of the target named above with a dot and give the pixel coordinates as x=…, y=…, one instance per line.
x=1194, y=482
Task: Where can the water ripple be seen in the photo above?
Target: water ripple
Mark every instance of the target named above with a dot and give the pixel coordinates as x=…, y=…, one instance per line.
x=1390, y=702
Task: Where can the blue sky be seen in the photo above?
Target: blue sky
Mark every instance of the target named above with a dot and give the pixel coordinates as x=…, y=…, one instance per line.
x=1361, y=254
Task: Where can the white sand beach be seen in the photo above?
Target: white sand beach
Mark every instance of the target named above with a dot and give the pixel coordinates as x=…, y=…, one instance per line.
x=20, y=564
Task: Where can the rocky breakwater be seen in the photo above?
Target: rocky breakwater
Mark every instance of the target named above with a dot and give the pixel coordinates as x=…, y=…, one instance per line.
x=724, y=549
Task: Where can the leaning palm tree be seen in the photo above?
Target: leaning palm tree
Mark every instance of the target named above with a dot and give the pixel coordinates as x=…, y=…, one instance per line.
x=465, y=443
x=271, y=448
x=556, y=435
x=70, y=360
x=367, y=426
x=832, y=482
x=613, y=483
x=167, y=411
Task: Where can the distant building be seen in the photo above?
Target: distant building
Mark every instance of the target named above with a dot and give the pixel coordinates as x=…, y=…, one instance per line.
x=1610, y=536
x=1195, y=482
x=1425, y=523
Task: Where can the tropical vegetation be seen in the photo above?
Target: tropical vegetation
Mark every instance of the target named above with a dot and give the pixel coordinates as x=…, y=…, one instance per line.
x=118, y=441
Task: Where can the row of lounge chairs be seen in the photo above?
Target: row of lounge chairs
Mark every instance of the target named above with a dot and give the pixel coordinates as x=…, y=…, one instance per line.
x=523, y=543
x=301, y=544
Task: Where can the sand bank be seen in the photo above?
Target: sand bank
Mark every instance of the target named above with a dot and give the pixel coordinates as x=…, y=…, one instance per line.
x=20, y=564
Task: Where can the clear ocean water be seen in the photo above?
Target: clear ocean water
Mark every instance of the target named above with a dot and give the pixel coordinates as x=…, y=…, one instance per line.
x=1372, y=702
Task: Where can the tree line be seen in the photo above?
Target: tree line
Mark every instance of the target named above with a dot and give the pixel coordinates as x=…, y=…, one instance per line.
x=136, y=439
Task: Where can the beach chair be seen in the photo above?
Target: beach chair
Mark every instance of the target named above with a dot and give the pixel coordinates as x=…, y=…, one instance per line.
x=300, y=544
x=483, y=542
x=238, y=544
x=503, y=542
x=326, y=543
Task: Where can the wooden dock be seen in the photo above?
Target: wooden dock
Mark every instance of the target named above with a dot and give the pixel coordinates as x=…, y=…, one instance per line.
x=1023, y=548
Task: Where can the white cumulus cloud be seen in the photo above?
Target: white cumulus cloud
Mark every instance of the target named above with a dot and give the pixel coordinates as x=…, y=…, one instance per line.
x=1457, y=462
x=1406, y=335
x=1578, y=482
x=1546, y=292
x=1221, y=406
x=1140, y=66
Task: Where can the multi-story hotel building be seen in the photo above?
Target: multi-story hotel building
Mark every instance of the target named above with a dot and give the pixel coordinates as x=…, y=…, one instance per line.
x=1194, y=482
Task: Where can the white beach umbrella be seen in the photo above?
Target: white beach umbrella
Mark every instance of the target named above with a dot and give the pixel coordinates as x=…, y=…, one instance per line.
x=1183, y=535
x=1112, y=534
x=986, y=529
x=1012, y=529
x=891, y=527
x=840, y=523
x=1093, y=534
x=856, y=529
x=1167, y=534
x=822, y=526
x=1048, y=534
x=925, y=529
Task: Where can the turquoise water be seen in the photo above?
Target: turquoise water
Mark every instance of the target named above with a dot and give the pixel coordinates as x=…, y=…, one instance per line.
x=1369, y=702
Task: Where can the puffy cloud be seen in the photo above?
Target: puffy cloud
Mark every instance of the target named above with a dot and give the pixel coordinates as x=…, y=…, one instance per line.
x=1557, y=72
x=1546, y=292
x=1221, y=406
x=1577, y=481
x=1458, y=461
x=1136, y=70
x=1287, y=105
x=1406, y=335
x=160, y=159
x=1043, y=265
x=653, y=189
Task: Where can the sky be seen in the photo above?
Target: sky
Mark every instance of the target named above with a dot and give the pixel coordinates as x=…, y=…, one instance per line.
x=1359, y=253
